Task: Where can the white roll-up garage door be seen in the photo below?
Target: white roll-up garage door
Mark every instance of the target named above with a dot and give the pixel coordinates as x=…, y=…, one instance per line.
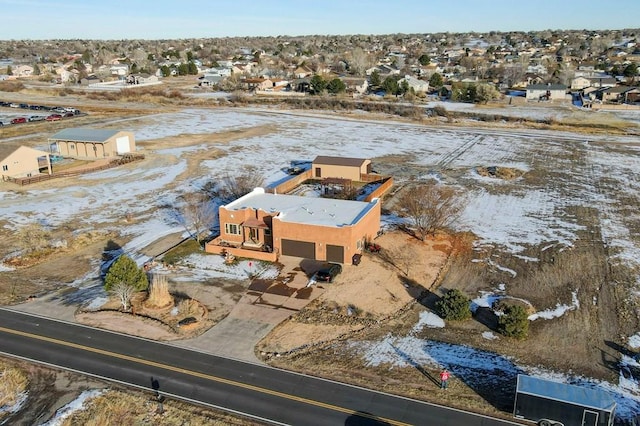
x=122, y=145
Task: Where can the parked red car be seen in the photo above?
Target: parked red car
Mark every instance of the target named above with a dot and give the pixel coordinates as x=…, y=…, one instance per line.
x=18, y=120
x=53, y=117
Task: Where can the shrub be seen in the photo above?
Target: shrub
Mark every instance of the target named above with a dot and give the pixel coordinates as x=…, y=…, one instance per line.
x=454, y=306
x=125, y=270
x=514, y=322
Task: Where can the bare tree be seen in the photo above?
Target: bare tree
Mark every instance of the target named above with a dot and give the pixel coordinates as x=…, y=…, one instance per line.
x=233, y=187
x=430, y=207
x=359, y=61
x=196, y=213
x=123, y=291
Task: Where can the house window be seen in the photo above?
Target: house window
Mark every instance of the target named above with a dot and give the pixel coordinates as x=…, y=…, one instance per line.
x=231, y=228
x=5, y=167
x=72, y=146
x=267, y=232
x=359, y=245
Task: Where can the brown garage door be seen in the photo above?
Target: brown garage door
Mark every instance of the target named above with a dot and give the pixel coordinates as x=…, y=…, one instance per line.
x=299, y=249
x=335, y=253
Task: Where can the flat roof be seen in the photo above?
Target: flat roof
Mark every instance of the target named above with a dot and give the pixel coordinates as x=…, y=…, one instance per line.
x=571, y=394
x=339, y=161
x=84, y=135
x=307, y=210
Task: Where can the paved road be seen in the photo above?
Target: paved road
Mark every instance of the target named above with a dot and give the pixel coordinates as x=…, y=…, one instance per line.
x=266, y=393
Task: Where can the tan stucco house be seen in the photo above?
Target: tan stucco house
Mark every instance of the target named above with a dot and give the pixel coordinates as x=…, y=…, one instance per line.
x=84, y=143
x=340, y=167
x=264, y=226
x=549, y=92
x=24, y=162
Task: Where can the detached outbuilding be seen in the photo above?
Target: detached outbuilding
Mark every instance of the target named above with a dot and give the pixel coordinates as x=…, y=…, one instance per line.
x=340, y=167
x=551, y=403
x=91, y=144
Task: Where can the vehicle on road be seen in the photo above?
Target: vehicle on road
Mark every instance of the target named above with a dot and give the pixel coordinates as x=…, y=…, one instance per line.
x=68, y=114
x=53, y=117
x=19, y=120
x=329, y=273
x=36, y=118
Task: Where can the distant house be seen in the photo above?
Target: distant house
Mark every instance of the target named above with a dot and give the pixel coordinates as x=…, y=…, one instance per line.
x=606, y=81
x=264, y=226
x=217, y=71
x=340, y=167
x=618, y=94
x=142, y=79
x=302, y=72
x=22, y=70
x=355, y=84
x=580, y=83
x=549, y=92
x=258, y=83
x=241, y=68
x=119, y=70
x=418, y=86
x=210, y=79
x=383, y=70
x=23, y=162
x=90, y=79
x=84, y=143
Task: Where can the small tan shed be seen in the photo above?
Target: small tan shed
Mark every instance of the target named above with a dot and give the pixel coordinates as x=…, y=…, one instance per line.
x=340, y=167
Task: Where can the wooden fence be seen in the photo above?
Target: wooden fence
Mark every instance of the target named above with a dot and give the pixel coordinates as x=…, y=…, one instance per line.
x=39, y=178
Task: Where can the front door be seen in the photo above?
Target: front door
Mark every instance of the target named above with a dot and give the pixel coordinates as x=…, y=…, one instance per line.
x=590, y=418
x=253, y=235
x=318, y=172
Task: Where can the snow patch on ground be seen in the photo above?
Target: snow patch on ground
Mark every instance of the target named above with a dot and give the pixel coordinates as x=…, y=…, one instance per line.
x=205, y=266
x=558, y=311
x=634, y=341
x=489, y=335
x=428, y=319
x=96, y=303
x=75, y=405
x=21, y=399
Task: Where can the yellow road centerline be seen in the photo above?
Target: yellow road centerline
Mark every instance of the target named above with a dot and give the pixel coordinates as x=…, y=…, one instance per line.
x=200, y=375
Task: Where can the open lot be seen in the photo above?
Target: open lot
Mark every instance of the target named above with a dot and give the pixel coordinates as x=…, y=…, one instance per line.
x=564, y=236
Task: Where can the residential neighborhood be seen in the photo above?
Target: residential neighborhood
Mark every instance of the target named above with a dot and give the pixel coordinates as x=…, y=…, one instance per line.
x=593, y=66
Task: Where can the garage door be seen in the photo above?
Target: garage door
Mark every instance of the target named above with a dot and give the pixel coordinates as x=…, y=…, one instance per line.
x=335, y=253
x=299, y=249
x=122, y=145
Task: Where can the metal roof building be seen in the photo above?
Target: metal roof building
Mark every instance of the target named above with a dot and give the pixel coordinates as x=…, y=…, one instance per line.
x=86, y=143
x=552, y=402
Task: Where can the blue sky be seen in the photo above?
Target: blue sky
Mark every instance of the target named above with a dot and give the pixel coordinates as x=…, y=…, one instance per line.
x=169, y=19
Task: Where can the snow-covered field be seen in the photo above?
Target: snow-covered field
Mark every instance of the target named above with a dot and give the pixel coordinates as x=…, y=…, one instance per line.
x=504, y=214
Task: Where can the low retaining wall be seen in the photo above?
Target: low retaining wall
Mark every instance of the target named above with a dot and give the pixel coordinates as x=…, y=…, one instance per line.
x=615, y=107
x=290, y=184
x=214, y=247
x=381, y=190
